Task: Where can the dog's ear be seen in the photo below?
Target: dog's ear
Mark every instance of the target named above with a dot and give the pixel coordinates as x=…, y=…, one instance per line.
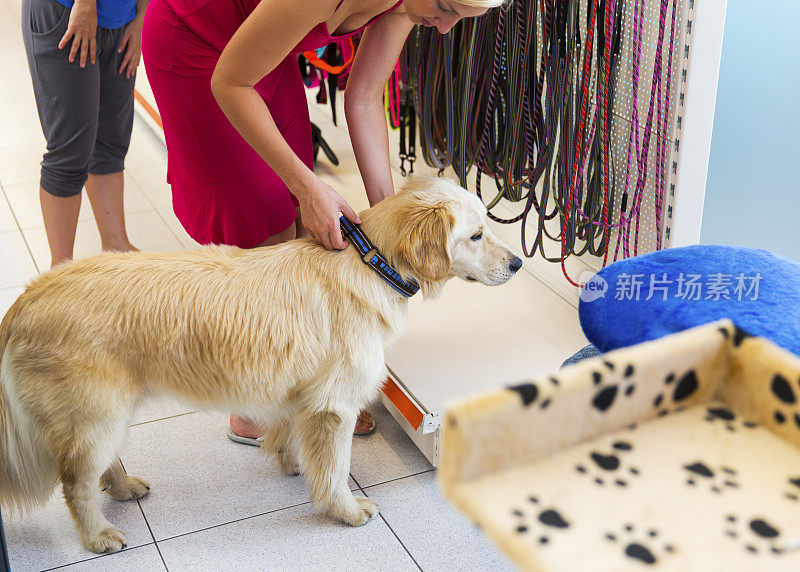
x=424, y=240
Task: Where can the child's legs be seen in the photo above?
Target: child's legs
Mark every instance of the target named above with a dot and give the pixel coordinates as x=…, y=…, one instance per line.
x=60, y=216
x=67, y=99
x=115, y=124
x=105, y=193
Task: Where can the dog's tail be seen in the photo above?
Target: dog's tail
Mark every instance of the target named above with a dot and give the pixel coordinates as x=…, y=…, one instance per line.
x=27, y=468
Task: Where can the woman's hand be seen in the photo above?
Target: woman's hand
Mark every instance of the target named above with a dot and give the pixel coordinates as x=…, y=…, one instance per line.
x=131, y=44
x=320, y=206
x=82, y=28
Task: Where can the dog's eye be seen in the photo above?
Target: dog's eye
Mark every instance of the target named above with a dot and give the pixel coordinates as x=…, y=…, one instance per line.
x=477, y=235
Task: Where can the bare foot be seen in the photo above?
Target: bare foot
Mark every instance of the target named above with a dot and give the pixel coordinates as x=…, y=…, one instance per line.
x=245, y=428
x=120, y=247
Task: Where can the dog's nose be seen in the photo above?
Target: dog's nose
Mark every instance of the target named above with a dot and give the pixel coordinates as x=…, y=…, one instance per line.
x=515, y=264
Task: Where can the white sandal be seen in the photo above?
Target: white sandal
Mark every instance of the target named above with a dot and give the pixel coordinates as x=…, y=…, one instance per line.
x=253, y=441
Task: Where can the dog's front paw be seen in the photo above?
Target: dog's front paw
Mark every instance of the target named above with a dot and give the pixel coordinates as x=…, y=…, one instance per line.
x=133, y=488
x=110, y=539
x=365, y=509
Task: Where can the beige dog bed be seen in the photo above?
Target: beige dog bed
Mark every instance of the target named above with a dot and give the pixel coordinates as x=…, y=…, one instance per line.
x=677, y=454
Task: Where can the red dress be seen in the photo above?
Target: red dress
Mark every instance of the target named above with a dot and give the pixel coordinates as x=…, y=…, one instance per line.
x=223, y=192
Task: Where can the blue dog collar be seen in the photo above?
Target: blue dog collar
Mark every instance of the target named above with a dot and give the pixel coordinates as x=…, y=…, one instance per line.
x=372, y=257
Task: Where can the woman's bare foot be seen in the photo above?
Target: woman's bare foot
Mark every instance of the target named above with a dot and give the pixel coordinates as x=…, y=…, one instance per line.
x=249, y=431
x=120, y=247
x=243, y=427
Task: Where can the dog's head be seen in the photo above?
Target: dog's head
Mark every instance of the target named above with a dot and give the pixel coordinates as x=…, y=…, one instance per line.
x=434, y=230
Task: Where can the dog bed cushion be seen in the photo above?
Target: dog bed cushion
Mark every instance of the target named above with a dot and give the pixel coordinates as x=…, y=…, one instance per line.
x=649, y=296
x=677, y=454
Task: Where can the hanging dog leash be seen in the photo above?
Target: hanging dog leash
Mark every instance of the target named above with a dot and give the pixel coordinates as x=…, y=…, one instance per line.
x=530, y=102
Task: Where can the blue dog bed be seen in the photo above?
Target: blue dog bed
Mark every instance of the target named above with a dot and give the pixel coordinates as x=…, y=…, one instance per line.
x=649, y=296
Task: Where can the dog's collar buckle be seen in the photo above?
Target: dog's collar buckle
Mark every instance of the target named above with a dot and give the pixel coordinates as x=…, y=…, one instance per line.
x=371, y=256
x=366, y=258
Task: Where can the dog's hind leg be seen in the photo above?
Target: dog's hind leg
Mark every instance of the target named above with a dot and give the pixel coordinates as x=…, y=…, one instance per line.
x=325, y=439
x=280, y=441
x=122, y=486
x=86, y=455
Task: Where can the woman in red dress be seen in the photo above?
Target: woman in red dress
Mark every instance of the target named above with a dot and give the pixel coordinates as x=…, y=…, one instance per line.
x=225, y=77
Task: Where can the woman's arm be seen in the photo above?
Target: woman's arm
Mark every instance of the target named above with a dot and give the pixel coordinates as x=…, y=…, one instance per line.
x=258, y=46
x=366, y=118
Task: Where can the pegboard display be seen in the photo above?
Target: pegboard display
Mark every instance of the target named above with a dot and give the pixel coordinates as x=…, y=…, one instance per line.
x=502, y=63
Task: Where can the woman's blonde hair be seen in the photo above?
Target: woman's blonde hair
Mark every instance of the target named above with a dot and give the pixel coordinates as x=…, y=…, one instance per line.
x=481, y=3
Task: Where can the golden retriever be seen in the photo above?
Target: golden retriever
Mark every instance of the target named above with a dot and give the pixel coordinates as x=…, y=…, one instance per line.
x=291, y=336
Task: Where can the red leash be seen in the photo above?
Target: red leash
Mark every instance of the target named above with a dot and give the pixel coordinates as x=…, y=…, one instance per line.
x=587, y=66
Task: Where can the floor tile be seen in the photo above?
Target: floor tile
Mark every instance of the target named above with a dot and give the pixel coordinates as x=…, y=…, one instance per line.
x=157, y=408
x=23, y=164
x=47, y=537
x=386, y=454
x=7, y=221
x=297, y=538
x=24, y=133
x=12, y=48
x=437, y=536
x=135, y=199
x=146, y=150
x=153, y=182
x=148, y=231
x=141, y=559
x=19, y=103
x=17, y=263
x=200, y=478
x=168, y=216
x=347, y=184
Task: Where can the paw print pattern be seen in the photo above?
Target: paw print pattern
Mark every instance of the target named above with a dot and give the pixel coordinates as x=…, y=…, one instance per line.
x=794, y=489
x=759, y=535
x=739, y=335
x=607, y=392
x=717, y=481
x=682, y=389
x=529, y=393
x=608, y=468
x=783, y=392
x=542, y=523
x=728, y=417
x=645, y=549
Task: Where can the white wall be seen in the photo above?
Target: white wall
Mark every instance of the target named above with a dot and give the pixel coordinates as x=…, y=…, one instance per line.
x=753, y=189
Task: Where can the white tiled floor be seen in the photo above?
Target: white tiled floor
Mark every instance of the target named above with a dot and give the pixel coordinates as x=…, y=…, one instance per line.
x=214, y=505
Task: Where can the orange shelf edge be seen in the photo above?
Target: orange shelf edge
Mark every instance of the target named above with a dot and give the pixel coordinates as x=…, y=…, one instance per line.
x=404, y=405
x=148, y=108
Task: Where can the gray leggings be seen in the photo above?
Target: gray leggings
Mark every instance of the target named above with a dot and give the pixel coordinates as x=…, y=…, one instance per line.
x=86, y=113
